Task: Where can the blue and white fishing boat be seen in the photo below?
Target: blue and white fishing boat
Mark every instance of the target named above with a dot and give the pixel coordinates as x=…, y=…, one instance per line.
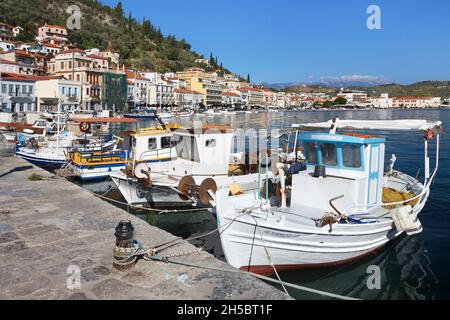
x=343, y=207
x=145, y=147
x=53, y=154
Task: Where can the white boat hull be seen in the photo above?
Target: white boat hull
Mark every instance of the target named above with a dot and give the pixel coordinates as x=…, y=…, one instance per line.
x=292, y=242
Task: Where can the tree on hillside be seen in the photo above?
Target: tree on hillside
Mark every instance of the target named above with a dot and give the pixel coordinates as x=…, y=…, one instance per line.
x=248, y=78
x=118, y=10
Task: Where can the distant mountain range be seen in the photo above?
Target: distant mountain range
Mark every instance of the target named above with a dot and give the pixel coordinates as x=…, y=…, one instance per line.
x=424, y=88
x=334, y=82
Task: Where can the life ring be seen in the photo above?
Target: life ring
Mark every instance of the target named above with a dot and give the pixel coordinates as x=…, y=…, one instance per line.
x=85, y=127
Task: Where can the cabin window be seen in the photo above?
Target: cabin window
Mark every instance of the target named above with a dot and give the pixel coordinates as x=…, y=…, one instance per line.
x=329, y=154
x=351, y=156
x=152, y=145
x=211, y=143
x=311, y=152
x=187, y=148
x=166, y=142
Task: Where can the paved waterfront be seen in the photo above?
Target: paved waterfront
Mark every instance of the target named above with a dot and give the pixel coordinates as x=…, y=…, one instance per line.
x=47, y=226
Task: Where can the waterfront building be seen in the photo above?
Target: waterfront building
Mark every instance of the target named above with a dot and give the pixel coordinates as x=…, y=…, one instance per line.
x=57, y=92
x=137, y=89
x=211, y=90
x=185, y=98
x=51, y=34
x=17, y=92
x=352, y=96
x=270, y=97
x=160, y=94
x=177, y=82
x=416, y=102
x=232, y=99
x=382, y=102
x=252, y=97
x=114, y=90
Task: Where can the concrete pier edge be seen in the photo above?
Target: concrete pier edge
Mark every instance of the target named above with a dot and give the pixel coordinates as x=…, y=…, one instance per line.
x=52, y=227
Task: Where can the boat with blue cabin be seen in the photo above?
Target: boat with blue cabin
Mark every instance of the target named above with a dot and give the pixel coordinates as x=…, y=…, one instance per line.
x=344, y=205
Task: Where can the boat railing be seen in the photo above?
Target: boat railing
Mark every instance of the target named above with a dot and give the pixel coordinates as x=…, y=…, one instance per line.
x=159, y=153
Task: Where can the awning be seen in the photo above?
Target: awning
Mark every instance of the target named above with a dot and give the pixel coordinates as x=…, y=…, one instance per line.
x=104, y=120
x=396, y=125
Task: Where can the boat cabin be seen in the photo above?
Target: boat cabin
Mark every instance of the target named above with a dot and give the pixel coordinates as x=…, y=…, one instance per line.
x=203, y=152
x=150, y=144
x=344, y=164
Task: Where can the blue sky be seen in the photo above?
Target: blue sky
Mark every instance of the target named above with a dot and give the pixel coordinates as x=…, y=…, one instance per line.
x=300, y=40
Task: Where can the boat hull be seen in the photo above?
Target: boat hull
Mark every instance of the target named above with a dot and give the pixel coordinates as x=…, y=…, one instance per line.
x=263, y=240
x=42, y=162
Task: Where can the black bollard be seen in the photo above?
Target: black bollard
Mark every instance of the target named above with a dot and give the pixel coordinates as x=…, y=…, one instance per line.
x=125, y=246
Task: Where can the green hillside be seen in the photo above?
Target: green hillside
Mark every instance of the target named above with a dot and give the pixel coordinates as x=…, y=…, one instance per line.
x=425, y=88
x=139, y=43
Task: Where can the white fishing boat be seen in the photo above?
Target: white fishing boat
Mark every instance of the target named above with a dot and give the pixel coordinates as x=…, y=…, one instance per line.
x=204, y=162
x=343, y=207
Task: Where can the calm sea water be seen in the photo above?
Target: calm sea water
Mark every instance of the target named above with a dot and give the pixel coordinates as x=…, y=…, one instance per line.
x=411, y=267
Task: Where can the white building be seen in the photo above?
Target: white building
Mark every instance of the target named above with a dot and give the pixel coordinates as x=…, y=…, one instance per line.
x=6, y=46
x=51, y=93
x=17, y=93
x=232, y=99
x=160, y=94
x=382, y=102
x=188, y=98
x=352, y=96
x=252, y=97
x=138, y=87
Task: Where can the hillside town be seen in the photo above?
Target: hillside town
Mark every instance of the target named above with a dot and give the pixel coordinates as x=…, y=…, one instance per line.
x=51, y=73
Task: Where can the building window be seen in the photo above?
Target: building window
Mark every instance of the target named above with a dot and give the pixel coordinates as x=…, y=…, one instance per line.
x=63, y=91
x=70, y=91
x=76, y=92
x=4, y=88
x=62, y=65
x=30, y=89
x=24, y=89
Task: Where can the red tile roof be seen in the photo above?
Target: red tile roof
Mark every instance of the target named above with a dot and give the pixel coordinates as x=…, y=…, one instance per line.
x=72, y=50
x=52, y=26
x=248, y=89
x=6, y=25
x=94, y=56
x=4, y=61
